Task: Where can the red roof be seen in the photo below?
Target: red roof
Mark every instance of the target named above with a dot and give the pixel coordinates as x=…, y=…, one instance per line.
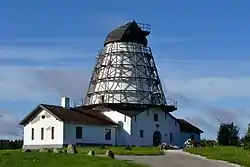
x=76, y=115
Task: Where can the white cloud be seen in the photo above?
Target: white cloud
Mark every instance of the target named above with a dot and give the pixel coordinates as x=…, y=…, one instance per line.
x=18, y=82
x=210, y=88
x=39, y=83
x=9, y=128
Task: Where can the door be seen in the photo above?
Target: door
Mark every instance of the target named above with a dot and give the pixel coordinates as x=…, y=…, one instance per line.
x=156, y=138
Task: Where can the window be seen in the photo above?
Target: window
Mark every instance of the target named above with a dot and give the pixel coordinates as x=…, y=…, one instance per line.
x=125, y=118
x=102, y=98
x=32, y=134
x=42, y=133
x=141, y=133
x=107, y=134
x=192, y=137
x=78, y=132
x=135, y=118
x=175, y=123
x=147, y=112
x=171, y=137
x=52, y=133
x=157, y=125
x=156, y=117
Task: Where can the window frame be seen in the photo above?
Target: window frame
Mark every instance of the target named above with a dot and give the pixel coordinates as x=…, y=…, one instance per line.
x=42, y=133
x=141, y=133
x=79, y=136
x=156, y=117
x=52, y=133
x=107, y=134
x=32, y=133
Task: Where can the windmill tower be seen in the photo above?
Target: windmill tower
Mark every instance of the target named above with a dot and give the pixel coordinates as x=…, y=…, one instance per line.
x=125, y=75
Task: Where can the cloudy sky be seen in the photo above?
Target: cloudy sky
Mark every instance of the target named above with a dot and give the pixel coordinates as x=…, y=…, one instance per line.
x=48, y=49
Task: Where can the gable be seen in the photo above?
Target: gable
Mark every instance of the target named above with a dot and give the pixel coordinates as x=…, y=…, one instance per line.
x=188, y=127
x=43, y=114
x=36, y=115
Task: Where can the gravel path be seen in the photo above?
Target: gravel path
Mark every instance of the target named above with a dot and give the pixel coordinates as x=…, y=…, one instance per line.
x=176, y=159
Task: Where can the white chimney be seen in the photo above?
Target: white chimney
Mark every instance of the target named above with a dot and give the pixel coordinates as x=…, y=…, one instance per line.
x=65, y=103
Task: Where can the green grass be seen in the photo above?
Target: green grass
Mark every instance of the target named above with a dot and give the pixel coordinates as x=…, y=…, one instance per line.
x=9, y=158
x=36, y=159
x=123, y=151
x=235, y=155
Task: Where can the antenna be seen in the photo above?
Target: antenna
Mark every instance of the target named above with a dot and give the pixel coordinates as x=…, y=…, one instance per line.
x=79, y=102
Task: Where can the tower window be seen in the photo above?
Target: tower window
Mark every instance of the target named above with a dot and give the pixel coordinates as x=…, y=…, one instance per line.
x=141, y=133
x=102, y=98
x=156, y=117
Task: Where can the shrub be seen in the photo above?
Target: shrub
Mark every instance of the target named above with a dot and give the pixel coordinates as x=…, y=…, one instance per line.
x=207, y=143
x=102, y=147
x=195, y=143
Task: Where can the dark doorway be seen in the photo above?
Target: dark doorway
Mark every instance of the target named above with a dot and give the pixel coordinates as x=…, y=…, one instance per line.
x=156, y=138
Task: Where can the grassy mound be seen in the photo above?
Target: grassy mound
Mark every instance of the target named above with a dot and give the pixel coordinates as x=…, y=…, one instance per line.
x=36, y=159
x=235, y=155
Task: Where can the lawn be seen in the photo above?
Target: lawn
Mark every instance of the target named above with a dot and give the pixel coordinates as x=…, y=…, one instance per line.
x=36, y=159
x=123, y=150
x=235, y=155
x=17, y=158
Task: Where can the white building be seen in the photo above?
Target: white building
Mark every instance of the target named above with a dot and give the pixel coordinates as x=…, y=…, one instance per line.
x=49, y=126
x=125, y=103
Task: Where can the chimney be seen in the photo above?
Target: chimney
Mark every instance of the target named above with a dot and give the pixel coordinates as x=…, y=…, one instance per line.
x=65, y=103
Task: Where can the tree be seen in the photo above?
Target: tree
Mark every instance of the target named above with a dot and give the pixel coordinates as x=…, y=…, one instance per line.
x=8, y=144
x=246, y=138
x=248, y=131
x=228, y=134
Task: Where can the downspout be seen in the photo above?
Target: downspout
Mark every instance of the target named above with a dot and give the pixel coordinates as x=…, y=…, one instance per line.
x=116, y=131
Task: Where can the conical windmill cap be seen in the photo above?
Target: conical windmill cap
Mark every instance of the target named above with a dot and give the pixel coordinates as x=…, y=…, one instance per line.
x=130, y=32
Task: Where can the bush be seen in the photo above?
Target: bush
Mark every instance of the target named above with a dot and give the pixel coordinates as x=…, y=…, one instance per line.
x=207, y=143
x=102, y=147
x=196, y=143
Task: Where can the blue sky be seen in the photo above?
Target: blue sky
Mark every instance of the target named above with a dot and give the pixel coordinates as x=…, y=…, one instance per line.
x=48, y=48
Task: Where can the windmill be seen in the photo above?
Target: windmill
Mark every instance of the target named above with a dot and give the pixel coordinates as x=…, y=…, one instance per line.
x=125, y=76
